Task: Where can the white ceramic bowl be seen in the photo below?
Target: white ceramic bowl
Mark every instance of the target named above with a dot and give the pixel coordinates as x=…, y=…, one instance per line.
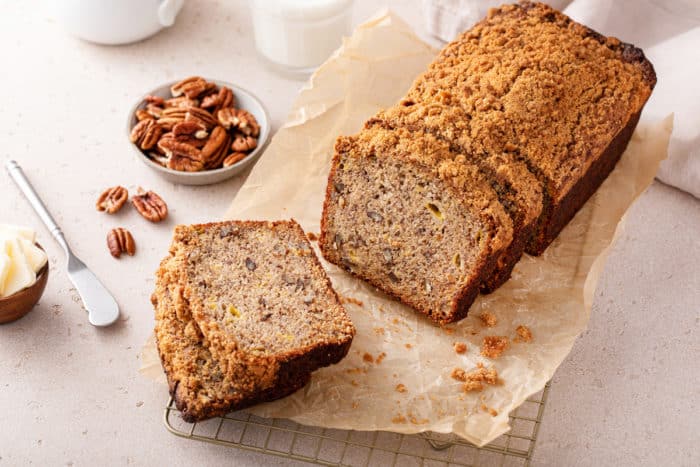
x=244, y=100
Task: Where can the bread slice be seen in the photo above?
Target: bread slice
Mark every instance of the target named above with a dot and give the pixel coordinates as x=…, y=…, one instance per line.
x=196, y=380
x=262, y=302
x=518, y=189
x=413, y=218
x=555, y=94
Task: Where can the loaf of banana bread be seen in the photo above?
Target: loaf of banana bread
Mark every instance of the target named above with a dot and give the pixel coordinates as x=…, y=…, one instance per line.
x=542, y=106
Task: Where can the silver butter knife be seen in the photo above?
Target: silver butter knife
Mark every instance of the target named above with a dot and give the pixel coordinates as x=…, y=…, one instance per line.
x=101, y=306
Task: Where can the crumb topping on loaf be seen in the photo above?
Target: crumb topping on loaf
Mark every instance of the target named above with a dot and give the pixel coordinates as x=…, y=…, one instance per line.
x=535, y=83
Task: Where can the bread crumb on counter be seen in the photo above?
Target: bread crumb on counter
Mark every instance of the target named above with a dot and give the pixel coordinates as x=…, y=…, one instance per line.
x=401, y=388
x=475, y=379
x=355, y=405
x=354, y=301
x=408, y=346
x=354, y=383
x=488, y=319
x=312, y=236
x=380, y=357
x=494, y=346
x=524, y=334
x=368, y=357
x=460, y=347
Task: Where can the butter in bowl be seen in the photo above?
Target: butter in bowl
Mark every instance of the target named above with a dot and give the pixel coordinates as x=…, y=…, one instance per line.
x=23, y=271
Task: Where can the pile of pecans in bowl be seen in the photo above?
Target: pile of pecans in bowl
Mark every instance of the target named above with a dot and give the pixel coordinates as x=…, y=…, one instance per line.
x=198, y=128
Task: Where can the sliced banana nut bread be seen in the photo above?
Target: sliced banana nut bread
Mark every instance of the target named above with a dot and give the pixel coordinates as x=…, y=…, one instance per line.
x=262, y=301
x=413, y=218
x=518, y=189
x=559, y=96
x=196, y=380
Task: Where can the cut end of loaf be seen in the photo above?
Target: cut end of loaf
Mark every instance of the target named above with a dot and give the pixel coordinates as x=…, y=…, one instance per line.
x=389, y=219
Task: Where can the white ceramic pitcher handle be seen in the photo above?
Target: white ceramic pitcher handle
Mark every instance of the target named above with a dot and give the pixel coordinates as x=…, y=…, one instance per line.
x=168, y=10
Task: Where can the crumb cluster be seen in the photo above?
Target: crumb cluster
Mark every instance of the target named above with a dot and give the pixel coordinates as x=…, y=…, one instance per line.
x=524, y=334
x=474, y=380
x=494, y=346
x=488, y=319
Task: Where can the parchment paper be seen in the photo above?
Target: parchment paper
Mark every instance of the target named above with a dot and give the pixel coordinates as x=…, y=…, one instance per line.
x=551, y=294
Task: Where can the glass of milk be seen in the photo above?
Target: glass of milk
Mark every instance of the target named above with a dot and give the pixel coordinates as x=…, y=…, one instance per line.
x=296, y=36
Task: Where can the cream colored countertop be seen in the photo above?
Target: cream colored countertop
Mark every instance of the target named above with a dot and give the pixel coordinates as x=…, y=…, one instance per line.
x=71, y=393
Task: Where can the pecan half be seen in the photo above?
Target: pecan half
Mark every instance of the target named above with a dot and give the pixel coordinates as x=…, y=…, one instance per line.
x=190, y=87
x=239, y=119
x=217, y=158
x=143, y=114
x=112, y=199
x=221, y=100
x=192, y=128
x=181, y=102
x=233, y=158
x=174, y=112
x=150, y=205
x=187, y=139
x=154, y=110
x=120, y=241
x=242, y=143
x=182, y=156
x=200, y=115
x=155, y=100
x=215, y=141
x=146, y=133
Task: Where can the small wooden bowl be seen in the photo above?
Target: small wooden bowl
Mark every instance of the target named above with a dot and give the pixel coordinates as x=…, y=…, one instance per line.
x=20, y=303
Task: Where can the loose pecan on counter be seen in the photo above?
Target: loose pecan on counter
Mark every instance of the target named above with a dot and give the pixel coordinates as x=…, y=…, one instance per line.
x=120, y=241
x=150, y=205
x=112, y=199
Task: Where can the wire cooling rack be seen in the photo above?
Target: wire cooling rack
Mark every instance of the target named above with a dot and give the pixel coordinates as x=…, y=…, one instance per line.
x=325, y=446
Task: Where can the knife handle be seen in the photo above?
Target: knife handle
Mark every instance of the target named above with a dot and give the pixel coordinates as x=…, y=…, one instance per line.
x=28, y=191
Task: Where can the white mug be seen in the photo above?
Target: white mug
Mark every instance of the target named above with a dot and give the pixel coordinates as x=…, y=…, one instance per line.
x=116, y=21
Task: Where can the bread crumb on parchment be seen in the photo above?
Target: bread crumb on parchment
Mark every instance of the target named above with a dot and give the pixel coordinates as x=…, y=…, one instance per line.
x=524, y=334
x=475, y=379
x=494, y=346
x=488, y=319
